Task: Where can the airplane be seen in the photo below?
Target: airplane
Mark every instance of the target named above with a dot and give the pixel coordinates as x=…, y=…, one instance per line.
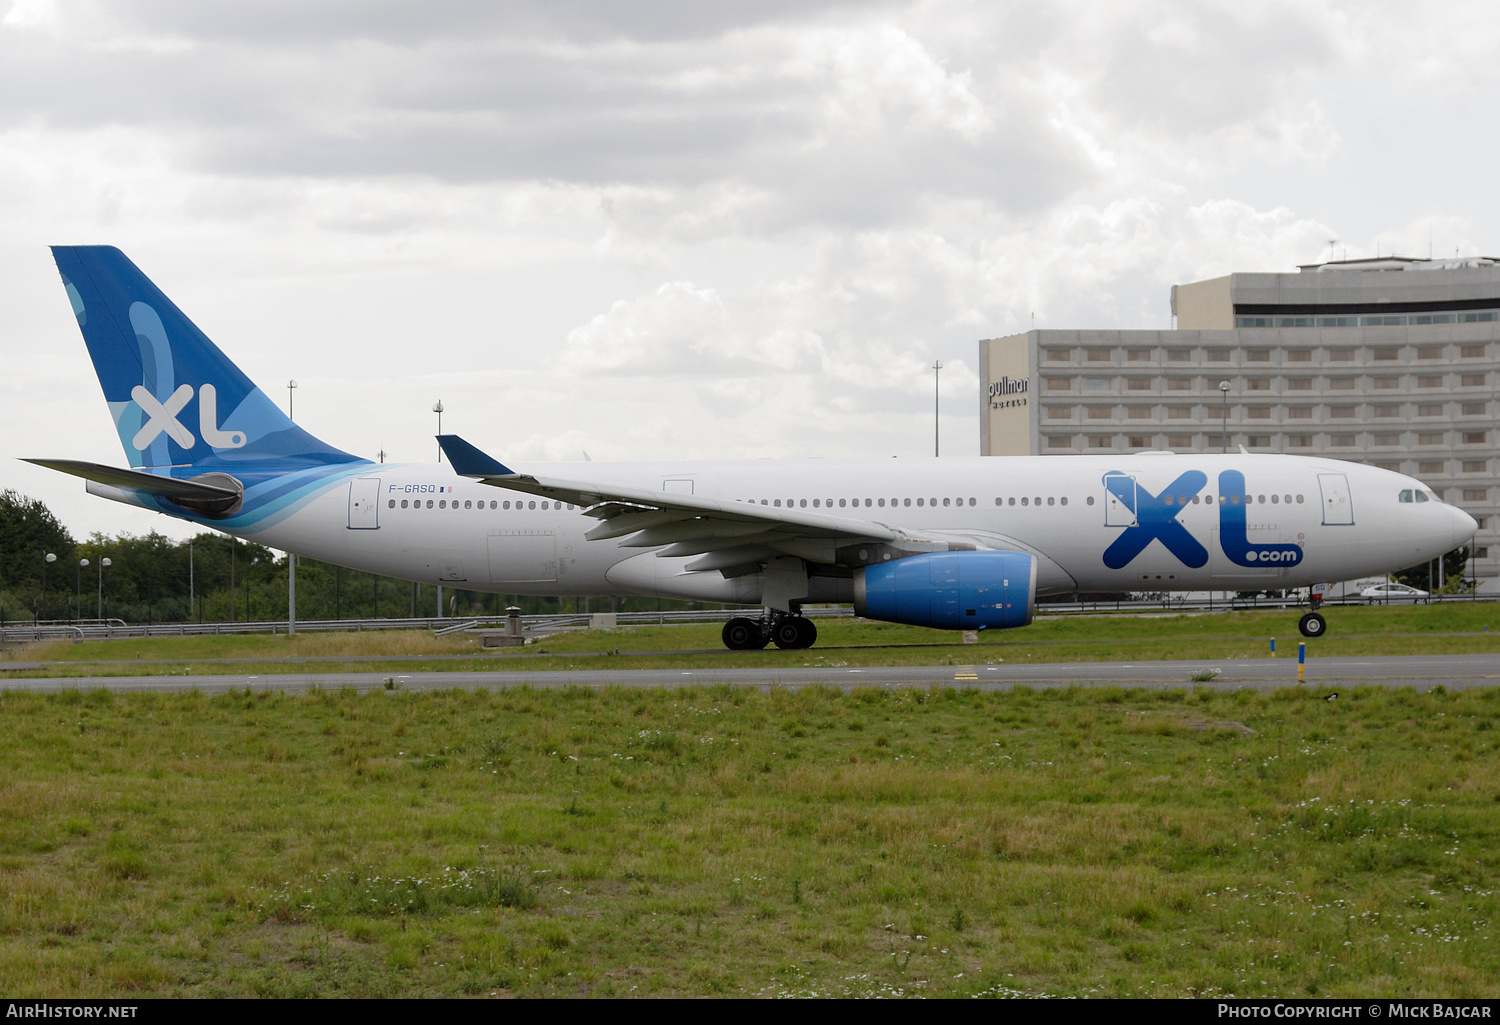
x=958, y=543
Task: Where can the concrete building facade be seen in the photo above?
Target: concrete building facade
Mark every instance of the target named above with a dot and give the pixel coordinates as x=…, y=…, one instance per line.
x=1390, y=362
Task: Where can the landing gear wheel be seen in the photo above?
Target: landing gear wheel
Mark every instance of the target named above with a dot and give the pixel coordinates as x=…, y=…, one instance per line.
x=1313, y=625
x=741, y=634
x=794, y=632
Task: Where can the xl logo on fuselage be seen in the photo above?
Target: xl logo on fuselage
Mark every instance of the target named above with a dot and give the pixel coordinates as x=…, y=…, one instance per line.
x=162, y=418
x=1147, y=517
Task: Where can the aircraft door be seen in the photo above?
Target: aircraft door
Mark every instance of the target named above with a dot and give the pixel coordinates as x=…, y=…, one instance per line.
x=1119, y=500
x=1338, y=503
x=364, y=503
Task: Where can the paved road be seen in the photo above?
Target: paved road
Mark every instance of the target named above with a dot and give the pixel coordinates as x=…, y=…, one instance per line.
x=1419, y=671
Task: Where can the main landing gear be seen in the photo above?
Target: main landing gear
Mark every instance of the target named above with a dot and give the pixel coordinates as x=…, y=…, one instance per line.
x=788, y=632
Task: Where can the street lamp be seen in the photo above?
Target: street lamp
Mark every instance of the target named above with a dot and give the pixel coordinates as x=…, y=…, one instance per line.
x=1224, y=387
x=437, y=407
x=291, y=386
x=937, y=374
x=102, y=564
x=78, y=585
x=50, y=558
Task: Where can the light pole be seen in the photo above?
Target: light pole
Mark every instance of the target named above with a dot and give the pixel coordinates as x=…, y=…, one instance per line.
x=102, y=564
x=1224, y=387
x=437, y=407
x=47, y=560
x=937, y=374
x=291, y=386
x=78, y=585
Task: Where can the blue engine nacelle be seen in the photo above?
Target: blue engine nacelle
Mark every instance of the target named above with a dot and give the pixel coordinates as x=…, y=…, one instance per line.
x=950, y=590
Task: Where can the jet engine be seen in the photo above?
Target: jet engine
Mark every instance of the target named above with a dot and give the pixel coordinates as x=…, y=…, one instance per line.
x=950, y=590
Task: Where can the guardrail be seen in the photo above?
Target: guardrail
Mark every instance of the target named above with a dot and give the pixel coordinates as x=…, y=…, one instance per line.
x=542, y=624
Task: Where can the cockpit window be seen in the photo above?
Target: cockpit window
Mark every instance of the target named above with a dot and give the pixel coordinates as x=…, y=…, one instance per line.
x=1406, y=495
x=1422, y=496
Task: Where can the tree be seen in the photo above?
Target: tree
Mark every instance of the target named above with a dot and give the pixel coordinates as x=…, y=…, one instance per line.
x=28, y=531
x=1424, y=575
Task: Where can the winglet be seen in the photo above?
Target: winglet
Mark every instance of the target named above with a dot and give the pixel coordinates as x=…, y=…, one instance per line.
x=468, y=461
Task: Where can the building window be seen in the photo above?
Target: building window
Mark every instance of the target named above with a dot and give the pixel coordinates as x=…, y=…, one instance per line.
x=1429, y=352
x=1387, y=439
x=1259, y=384
x=1180, y=440
x=1138, y=384
x=1299, y=355
x=1387, y=353
x=1341, y=412
x=1258, y=355
x=1096, y=383
x=1100, y=412
x=1179, y=412
x=1059, y=412
x=1341, y=383
x=1430, y=409
x=1138, y=355
x=1179, y=384
x=1217, y=355
x=1430, y=381
x=1056, y=441
x=1388, y=465
x=1140, y=441
x=1059, y=355
x=1341, y=440
x=1481, y=552
x=1432, y=466
x=1179, y=355
x=1473, y=380
x=1098, y=441
x=1339, y=355
x=1260, y=441
x=1139, y=413
x=1476, y=466
x=1474, y=437
x=1387, y=411
x=1259, y=412
x=1299, y=384
x=1474, y=408
x=1299, y=412
x=1059, y=384
x=1472, y=351
x=1476, y=494
x=1387, y=383
x=1098, y=355
x=1300, y=441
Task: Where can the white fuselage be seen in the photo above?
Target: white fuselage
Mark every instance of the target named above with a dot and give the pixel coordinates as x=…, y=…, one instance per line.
x=424, y=523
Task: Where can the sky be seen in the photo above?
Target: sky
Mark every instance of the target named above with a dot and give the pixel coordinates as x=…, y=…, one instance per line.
x=685, y=230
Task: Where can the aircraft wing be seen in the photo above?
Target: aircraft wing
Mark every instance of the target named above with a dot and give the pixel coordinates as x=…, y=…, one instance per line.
x=724, y=534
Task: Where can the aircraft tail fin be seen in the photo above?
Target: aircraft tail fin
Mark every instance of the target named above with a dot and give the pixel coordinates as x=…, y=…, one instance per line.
x=175, y=398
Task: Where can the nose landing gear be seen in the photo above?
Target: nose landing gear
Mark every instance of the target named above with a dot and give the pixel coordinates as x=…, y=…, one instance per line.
x=1312, y=625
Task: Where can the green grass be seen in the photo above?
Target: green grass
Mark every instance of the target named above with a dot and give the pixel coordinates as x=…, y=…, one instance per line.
x=731, y=841
x=1411, y=630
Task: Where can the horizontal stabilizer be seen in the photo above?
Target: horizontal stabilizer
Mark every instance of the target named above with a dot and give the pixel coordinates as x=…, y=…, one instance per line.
x=469, y=461
x=213, y=495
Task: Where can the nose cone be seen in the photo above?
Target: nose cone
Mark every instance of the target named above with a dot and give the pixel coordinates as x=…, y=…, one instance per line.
x=1464, y=526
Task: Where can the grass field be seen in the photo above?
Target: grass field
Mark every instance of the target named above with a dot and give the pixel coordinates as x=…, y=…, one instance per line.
x=1410, y=630
x=732, y=841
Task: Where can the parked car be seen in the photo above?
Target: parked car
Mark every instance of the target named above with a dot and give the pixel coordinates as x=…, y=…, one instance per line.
x=1392, y=592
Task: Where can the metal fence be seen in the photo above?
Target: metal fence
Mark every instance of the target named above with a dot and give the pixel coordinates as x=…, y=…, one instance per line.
x=540, y=625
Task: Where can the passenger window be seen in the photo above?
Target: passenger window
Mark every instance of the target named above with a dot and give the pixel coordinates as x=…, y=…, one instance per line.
x=1299, y=499
x=777, y=503
x=867, y=503
x=1049, y=500
x=403, y=503
x=802, y=503
x=816, y=503
x=1234, y=499
x=882, y=503
x=841, y=503
x=1012, y=501
x=947, y=501
x=1275, y=499
x=429, y=503
x=972, y=501
x=1288, y=499
x=920, y=501
x=531, y=505
x=1261, y=499
x=1089, y=500
x=505, y=505
x=544, y=505
x=1405, y=496
x=906, y=501
x=1025, y=501
x=443, y=503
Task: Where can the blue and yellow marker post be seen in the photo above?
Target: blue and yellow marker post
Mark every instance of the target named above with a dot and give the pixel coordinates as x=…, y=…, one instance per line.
x=1301, y=659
